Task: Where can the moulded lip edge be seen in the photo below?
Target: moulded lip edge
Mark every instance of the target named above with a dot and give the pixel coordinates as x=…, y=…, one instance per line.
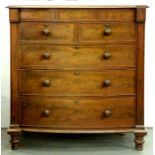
x=74, y=6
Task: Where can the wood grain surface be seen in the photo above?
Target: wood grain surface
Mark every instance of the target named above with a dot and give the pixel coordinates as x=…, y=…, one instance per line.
x=76, y=56
x=77, y=69
x=77, y=83
x=78, y=113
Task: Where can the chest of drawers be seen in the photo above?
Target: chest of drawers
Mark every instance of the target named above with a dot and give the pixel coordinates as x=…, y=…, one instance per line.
x=77, y=70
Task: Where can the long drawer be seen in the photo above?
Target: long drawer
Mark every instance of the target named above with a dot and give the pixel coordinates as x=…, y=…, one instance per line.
x=82, y=113
x=52, y=56
x=77, y=83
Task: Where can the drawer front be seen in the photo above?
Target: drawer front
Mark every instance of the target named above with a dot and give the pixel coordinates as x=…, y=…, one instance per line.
x=45, y=31
x=58, y=113
x=77, y=56
x=77, y=14
x=37, y=14
x=107, y=32
x=97, y=14
x=77, y=83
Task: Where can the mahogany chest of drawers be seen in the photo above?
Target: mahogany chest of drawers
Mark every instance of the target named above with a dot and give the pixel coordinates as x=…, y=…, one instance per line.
x=77, y=70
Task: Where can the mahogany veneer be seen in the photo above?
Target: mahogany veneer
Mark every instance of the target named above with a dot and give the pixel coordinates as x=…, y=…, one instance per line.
x=77, y=69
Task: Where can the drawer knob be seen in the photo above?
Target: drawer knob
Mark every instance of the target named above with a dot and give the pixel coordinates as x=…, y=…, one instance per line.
x=107, y=30
x=46, y=31
x=107, y=55
x=107, y=113
x=107, y=83
x=46, y=112
x=46, y=83
x=46, y=55
x=76, y=73
x=77, y=101
x=77, y=46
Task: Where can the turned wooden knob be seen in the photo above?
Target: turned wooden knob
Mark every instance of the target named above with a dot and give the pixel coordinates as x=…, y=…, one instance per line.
x=107, y=83
x=46, y=31
x=107, y=55
x=46, y=55
x=46, y=112
x=107, y=113
x=76, y=46
x=46, y=83
x=76, y=73
x=107, y=30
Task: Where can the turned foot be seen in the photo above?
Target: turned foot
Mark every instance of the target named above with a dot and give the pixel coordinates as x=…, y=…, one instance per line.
x=139, y=139
x=15, y=140
x=15, y=134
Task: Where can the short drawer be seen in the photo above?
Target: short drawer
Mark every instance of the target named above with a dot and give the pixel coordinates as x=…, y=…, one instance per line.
x=53, y=56
x=97, y=14
x=37, y=14
x=46, y=31
x=77, y=83
x=107, y=32
x=78, y=114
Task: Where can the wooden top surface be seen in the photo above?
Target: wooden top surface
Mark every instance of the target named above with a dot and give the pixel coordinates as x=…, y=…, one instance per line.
x=76, y=6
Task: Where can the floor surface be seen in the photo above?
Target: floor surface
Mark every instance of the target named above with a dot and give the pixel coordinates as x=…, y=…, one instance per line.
x=60, y=144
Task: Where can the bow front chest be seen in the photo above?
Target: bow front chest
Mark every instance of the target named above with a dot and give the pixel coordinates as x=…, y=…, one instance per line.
x=77, y=70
